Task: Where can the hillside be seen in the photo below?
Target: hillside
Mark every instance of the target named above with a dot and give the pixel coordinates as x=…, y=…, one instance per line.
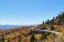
x=24, y=34
x=57, y=23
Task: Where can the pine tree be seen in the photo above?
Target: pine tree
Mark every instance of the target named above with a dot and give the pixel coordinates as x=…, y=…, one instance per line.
x=53, y=17
x=59, y=16
x=47, y=22
x=43, y=24
x=52, y=27
x=32, y=39
x=62, y=15
x=2, y=38
x=43, y=35
x=19, y=38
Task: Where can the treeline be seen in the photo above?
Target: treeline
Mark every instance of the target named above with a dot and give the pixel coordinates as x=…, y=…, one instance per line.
x=55, y=24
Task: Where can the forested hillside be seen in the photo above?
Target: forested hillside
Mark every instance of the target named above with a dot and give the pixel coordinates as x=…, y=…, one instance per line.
x=57, y=23
x=22, y=34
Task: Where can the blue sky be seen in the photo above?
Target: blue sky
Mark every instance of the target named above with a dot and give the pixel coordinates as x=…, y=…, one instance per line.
x=21, y=12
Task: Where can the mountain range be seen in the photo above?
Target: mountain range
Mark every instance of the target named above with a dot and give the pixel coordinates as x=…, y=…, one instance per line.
x=13, y=26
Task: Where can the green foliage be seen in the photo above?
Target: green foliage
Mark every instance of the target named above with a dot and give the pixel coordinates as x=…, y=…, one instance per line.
x=47, y=21
x=62, y=15
x=32, y=39
x=43, y=24
x=52, y=27
x=19, y=38
x=44, y=34
x=2, y=38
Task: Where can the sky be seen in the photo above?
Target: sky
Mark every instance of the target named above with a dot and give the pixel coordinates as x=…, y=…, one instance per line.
x=23, y=12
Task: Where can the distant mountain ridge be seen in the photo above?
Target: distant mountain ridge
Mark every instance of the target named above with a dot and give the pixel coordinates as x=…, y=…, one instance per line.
x=8, y=26
x=13, y=26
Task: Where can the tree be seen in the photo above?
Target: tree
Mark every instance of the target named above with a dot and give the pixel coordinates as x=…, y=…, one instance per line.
x=59, y=16
x=52, y=27
x=32, y=39
x=43, y=24
x=47, y=22
x=19, y=38
x=53, y=17
x=43, y=35
x=2, y=38
x=62, y=15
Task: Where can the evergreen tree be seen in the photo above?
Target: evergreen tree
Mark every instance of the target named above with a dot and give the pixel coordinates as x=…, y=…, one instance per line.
x=59, y=16
x=19, y=38
x=53, y=17
x=52, y=27
x=47, y=22
x=43, y=35
x=2, y=38
x=32, y=39
x=43, y=24
x=62, y=15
